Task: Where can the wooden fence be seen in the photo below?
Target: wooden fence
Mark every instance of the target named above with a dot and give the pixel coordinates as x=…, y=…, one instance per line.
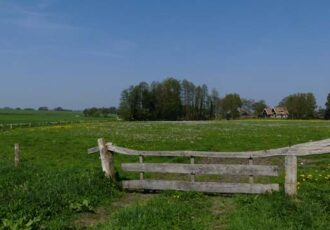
x=13, y=125
x=290, y=153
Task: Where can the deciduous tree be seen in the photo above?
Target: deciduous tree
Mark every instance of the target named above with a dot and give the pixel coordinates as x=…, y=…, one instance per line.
x=259, y=107
x=300, y=105
x=230, y=106
x=327, y=108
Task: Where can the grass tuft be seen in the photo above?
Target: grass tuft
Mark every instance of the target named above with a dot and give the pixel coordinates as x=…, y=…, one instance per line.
x=170, y=210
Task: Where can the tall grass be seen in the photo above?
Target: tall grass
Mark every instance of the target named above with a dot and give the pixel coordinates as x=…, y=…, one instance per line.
x=171, y=210
x=49, y=195
x=277, y=211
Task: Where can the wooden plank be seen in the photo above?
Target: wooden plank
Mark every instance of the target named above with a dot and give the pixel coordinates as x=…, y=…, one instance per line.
x=290, y=175
x=93, y=150
x=310, y=148
x=251, y=178
x=210, y=169
x=245, y=155
x=105, y=158
x=212, y=187
x=192, y=176
x=141, y=159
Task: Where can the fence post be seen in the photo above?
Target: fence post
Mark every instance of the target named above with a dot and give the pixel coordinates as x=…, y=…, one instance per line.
x=16, y=155
x=104, y=156
x=141, y=158
x=192, y=176
x=106, y=159
x=251, y=178
x=291, y=175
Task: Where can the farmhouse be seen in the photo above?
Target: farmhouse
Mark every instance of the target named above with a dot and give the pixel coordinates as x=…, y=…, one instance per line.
x=268, y=112
x=277, y=112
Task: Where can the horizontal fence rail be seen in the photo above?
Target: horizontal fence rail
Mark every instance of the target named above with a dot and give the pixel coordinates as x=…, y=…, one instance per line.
x=107, y=150
x=310, y=148
x=209, y=169
x=212, y=187
x=14, y=125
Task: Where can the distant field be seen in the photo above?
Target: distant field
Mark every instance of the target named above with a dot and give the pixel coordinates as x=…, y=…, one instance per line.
x=26, y=116
x=59, y=185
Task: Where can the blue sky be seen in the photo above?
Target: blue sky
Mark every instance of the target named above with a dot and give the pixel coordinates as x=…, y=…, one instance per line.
x=79, y=53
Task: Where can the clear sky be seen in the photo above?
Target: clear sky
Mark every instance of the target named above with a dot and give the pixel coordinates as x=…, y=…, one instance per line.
x=82, y=53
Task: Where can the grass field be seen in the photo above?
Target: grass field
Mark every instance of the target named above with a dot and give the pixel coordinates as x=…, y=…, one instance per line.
x=11, y=116
x=58, y=185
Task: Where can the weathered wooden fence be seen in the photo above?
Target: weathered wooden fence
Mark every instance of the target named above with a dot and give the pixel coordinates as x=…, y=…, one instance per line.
x=290, y=153
x=14, y=125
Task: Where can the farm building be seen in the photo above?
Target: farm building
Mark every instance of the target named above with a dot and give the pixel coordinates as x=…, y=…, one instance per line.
x=268, y=112
x=277, y=112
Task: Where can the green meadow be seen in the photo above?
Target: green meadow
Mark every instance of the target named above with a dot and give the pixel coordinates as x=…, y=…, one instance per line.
x=59, y=186
x=14, y=118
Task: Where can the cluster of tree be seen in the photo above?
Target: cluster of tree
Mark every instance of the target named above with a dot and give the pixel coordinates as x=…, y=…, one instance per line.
x=253, y=108
x=303, y=106
x=327, y=108
x=17, y=108
x=181, y=100
x=99, y=112
x=300, y=105
x=61, y=109
x=45, y=108
x=197, y=102
x=42, y=108
x=168, y=100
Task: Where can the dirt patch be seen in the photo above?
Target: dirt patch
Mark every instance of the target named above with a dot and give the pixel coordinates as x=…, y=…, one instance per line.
x=103, y=213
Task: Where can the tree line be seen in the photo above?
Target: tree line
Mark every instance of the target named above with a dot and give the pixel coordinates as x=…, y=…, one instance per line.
x=300, y=105
x=99, y=112
x=168, y=100
x=41, y=108
x=172, y=99
x=327, y=108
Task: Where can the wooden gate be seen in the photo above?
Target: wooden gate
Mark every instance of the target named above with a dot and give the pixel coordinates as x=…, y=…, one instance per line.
x=290, y=153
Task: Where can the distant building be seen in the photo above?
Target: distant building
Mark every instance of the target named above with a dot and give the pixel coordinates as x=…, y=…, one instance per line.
x=268, y=113
x=277, y=112
x=281, y=112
